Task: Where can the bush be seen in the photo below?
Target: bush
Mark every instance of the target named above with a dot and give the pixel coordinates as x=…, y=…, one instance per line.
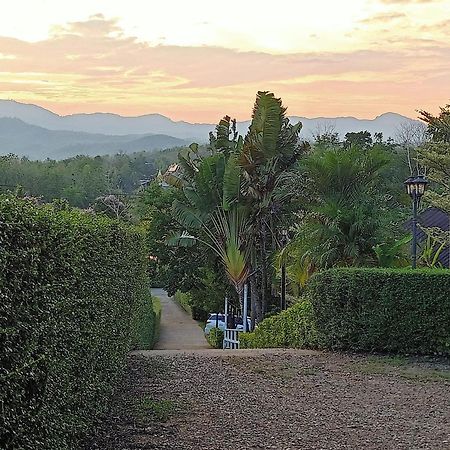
x=157, y=310
x=215, y=338
x=293, y=327
x=147, y=324
x=386, y=310
x=184, y=300
x=72, y=288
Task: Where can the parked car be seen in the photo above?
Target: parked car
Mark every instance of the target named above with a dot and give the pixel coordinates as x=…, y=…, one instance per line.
x=240, y=325
x=215, y=321
x=218, y=321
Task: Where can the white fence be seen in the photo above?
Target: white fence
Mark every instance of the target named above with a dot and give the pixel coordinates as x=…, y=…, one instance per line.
x=231, y=338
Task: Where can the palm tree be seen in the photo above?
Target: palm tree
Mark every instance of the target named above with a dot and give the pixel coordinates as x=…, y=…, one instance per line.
x=343, y=214
x=233, y=201
x=270, y=150
x=210, y=207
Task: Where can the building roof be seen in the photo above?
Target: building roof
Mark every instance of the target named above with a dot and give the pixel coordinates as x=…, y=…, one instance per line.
x=429, y=218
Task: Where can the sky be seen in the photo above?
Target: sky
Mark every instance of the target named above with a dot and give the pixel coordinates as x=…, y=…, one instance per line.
x=198, y=60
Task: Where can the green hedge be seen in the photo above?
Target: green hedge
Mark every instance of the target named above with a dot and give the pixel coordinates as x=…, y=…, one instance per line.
x=382, y=310
x=386, y=310
x=184, y=300
x=72, y=288
x=293, y=327
x=215, y=338
x=147, y=324
x=157, y=309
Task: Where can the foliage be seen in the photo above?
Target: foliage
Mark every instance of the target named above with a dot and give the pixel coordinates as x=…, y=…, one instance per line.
x=360, y=139
x=392, y=254
x=430, y=252
x=157, y=309
x=293, y=327
x=172, y=267
x=435, y=156
x=215, y=338
x=210, y=187
x=345, y=211
x=385, y=310
x=81, y=179
x=184, y=300
x=148, y=318
x=74, y=291
x=233, y=202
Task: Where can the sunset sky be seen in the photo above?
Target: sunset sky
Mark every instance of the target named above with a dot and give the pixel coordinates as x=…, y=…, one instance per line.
x=198, y=60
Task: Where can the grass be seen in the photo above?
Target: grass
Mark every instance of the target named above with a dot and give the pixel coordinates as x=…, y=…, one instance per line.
x=156, y=410
x=403, y=367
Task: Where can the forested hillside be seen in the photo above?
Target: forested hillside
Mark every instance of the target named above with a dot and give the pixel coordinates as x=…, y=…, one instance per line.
x=80, y=180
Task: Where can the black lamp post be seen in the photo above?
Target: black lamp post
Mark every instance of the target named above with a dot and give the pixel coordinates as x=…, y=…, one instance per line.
x=415, y=187
x=284, y=241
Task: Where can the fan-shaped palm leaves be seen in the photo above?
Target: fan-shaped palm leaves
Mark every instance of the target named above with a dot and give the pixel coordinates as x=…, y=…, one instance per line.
x=344, y=211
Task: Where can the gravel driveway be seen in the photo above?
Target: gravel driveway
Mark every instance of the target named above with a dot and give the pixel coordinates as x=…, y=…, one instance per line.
x=278, y=399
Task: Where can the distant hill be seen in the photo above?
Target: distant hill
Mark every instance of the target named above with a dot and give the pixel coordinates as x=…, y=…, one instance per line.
x=36, y=142
x=113, y=124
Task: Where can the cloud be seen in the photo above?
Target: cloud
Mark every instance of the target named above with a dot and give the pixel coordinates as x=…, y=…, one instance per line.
x=393, y=2
x=93, y=63
x=383, y=18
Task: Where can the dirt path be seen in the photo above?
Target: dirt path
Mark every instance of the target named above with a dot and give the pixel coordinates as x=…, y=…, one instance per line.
x=178, y=330
x=278, y=399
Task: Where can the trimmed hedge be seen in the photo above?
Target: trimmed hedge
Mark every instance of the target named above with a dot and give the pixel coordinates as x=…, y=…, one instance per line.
x=147, y=324
x=157, y=309
x=215, y=338
x=374, y=310
x=385, y=310
x=73, y=289
x=293, y=327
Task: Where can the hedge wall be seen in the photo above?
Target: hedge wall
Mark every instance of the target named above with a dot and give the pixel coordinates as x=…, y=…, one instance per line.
x=386, y=310
x=72, y=291
x=382, y=310
x=215, y=338
x=293, y=327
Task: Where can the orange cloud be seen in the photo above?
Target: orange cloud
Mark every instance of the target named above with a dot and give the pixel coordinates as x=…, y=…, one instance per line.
x=383, y=18
x=92, y=65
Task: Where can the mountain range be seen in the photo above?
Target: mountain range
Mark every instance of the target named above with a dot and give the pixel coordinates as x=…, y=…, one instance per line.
x=33, y=131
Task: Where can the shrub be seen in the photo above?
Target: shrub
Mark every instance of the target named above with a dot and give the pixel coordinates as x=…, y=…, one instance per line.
x=184, y=300
x=72, y=286
x=157, y=311
x=215, y=338
x=293, y=327
x=386, y=310
x=147, y=324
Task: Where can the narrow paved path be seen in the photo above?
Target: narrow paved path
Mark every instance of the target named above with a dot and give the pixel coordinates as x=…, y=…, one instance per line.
x=178, y=330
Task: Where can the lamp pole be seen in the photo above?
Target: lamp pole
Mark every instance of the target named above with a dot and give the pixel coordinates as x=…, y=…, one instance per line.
x=415, y=203
x=284, y=241
x=415, y=187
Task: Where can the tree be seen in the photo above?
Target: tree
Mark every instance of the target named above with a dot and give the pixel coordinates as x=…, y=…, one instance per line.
x=233, y=196
x=270, y=151
x=435, y=156
x=345, y=210
x=361, y=139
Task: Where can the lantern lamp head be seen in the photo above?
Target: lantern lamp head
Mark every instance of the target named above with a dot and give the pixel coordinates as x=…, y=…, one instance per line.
x=416, y=186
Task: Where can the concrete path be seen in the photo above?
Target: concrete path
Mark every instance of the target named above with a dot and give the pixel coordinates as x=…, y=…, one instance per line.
x=178, y=330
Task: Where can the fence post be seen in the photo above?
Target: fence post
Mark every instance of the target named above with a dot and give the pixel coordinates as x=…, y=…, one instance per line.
x=244, y=313
x=226, y=322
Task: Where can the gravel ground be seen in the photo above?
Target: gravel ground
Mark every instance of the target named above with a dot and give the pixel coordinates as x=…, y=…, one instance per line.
x=277, y=399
